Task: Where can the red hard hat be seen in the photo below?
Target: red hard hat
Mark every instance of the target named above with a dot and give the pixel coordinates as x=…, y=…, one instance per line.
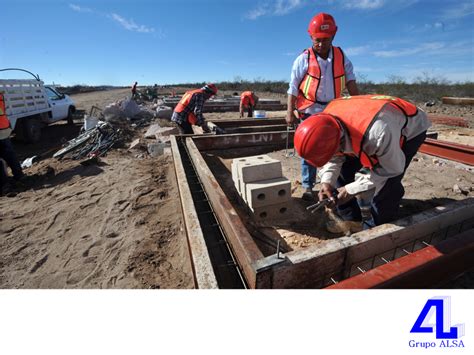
x=322, y=26
x=210, y=89
x=317, y=138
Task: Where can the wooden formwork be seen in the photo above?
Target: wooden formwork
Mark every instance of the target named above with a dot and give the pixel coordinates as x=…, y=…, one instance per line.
x=341, y=258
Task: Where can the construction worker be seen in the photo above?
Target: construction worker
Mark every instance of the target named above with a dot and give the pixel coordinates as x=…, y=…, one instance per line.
x=248, y=100
x=134, y=90
x=188, y=111
x=6, y=150
x=364, y=145
x=318, y=75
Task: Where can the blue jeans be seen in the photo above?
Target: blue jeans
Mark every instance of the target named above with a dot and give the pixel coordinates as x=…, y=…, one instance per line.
x=384, y=205
x=8, y=154
x=308, y=172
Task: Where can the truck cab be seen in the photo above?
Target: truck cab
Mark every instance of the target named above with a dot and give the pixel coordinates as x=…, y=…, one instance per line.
x=62, y=106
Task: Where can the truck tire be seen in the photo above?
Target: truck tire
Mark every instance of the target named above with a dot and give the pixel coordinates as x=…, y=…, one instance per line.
x=31, y=130
x=70, y=114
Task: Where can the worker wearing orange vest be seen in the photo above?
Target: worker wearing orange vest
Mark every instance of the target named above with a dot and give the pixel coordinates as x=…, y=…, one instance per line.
x=382, y=132
x=248, y=100
x=188, y=111
x=6, y=149
x=318, y=75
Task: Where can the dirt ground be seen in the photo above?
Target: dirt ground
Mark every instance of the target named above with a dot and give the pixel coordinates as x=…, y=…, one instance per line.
x=118, y=224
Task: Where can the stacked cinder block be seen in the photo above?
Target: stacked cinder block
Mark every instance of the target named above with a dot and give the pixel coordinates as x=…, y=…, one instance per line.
x=260, y=182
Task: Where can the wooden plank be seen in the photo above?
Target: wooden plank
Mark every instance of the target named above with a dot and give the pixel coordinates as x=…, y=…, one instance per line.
x=243, y=246
x=458, y=100
x=204, y=276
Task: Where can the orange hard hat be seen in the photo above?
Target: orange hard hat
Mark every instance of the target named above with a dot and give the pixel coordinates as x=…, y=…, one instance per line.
x=322, y=26
x=317, y=139
x=210, y=89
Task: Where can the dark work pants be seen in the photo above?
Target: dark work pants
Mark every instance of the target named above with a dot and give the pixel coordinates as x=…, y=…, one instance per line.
x=185, y=128
x=8, y=154
x=249, y=111
x=385, y=205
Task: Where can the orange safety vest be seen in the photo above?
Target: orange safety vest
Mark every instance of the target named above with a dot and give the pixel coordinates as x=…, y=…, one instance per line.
x=4, y=121
x=357, y=113
x=307, y=94
x=184, y=102
x=246, y=98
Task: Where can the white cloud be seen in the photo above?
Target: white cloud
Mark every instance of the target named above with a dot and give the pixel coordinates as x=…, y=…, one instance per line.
x=353, y=51
x=426, y=48
x=277, y=8
x=130, y=24
x=364, y=4
x=458, y=11
x=282, y=7
x=78, y=8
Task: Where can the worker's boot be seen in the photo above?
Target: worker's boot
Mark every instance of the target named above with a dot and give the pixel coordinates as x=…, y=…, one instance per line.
x=308, y=194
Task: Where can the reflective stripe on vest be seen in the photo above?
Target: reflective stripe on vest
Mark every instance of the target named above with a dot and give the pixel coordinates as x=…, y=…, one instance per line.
x=184, y=102
x=4, y=122
x=357, y=113
x=246, y=98
x=307, y=94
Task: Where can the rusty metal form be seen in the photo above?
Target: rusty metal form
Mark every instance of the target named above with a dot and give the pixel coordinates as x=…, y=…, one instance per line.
x=341, y=258
x=250, y=125
x=248, y=122
x=231, y=105
x=244, y=247
x=448, y=120
x=204, y=276
x=428, y=267
x=452, y=151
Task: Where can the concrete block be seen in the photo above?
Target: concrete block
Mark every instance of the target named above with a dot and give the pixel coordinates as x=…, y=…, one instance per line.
x=271, y=212
x=247, y=161
x=259, y=168
x=267, y=192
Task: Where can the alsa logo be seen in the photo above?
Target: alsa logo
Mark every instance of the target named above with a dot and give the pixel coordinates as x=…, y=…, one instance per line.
x=440, y=308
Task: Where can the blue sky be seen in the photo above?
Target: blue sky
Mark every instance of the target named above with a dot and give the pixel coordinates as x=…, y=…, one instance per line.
x=176, y=41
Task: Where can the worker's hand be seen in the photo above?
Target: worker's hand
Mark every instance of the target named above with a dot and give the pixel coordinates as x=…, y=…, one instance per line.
x=343, y=196
x=291, y=118
x=327, y=191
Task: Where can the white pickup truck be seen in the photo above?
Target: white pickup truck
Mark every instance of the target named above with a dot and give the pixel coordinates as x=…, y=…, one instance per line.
x=30, y=105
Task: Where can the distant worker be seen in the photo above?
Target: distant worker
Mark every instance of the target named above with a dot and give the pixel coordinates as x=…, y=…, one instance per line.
x=6, y=150
x=318, y=75
x=134, y=90
x=248, y=100
x=188, y=111
x=364, y=145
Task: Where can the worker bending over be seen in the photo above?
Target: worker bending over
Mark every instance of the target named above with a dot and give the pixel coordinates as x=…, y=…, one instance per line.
x=364, y=144
x=188, y=111
x=248, y=101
